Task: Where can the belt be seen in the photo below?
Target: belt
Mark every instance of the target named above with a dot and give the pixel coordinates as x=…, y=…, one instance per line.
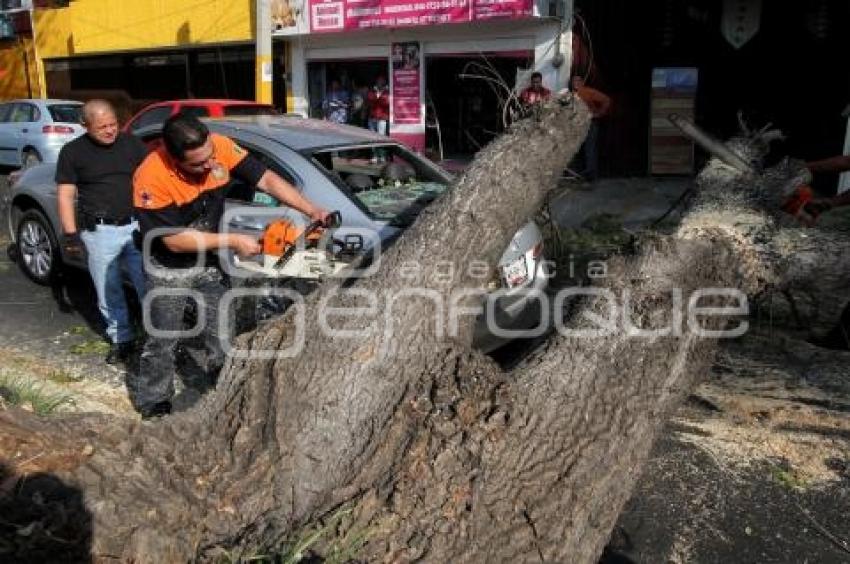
x=95, y=220
x=110, y=221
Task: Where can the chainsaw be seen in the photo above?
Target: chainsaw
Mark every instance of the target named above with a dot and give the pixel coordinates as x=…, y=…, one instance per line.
x=796, y=197
x=799, y=200
x=311, y=252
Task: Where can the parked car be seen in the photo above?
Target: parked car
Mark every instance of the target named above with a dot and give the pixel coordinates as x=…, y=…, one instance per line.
x=156, y=114
x=377, y=185
x=33, y=131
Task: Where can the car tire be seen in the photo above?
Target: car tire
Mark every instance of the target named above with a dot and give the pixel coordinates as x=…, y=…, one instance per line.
x=30, y=159
x=37, y=248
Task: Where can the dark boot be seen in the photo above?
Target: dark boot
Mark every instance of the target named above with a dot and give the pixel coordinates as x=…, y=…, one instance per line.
x=119, y=352
x=156, y=410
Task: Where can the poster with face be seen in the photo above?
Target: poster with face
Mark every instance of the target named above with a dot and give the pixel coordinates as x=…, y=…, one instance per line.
x=288, y=17
x=406, y=83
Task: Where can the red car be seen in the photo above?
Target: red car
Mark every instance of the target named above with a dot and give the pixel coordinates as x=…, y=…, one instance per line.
x=157, y=113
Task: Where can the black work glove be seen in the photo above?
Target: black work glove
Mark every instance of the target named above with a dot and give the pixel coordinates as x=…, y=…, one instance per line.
x=73, y=245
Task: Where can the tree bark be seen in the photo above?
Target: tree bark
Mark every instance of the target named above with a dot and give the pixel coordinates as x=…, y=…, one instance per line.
x=443, y=456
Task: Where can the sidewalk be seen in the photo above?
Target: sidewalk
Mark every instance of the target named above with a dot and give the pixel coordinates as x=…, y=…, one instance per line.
x=637, y=202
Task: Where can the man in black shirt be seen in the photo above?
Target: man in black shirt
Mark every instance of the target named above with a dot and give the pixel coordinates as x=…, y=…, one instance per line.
x=94, y=176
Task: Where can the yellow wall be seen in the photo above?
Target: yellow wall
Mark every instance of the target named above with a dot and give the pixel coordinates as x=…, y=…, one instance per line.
x=98, y=26
x=13, y=80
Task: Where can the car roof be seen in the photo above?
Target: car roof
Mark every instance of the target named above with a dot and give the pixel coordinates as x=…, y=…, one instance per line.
x=300, y=134
x=208, y=101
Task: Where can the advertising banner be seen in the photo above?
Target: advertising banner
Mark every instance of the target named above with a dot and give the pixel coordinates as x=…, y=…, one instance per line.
x=406, y=83
x=348, y=15
x=407, y=124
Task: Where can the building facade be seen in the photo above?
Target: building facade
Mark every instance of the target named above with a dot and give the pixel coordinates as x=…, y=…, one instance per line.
x=140, y=51
x=450, y=64
x=21, y=75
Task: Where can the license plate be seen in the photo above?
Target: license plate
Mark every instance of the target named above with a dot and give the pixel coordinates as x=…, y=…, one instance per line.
x=516, y=273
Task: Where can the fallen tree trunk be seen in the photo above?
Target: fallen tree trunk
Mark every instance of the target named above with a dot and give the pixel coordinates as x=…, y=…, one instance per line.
x=441, y=456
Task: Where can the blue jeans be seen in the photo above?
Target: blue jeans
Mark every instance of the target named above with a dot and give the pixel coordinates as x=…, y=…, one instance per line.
x=109, y=247
x=379, y=126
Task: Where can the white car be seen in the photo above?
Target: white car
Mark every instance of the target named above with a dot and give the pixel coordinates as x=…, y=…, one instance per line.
x=33, y=131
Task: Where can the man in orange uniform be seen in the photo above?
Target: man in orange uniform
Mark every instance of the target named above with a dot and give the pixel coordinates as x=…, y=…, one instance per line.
x=178, y=194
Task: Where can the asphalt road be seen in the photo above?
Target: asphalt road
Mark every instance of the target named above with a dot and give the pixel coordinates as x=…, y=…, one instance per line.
x=31, y=314
x=47, y=322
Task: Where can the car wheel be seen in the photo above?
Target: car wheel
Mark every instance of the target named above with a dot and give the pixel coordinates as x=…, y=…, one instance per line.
x=31, y=158
x=37, y=249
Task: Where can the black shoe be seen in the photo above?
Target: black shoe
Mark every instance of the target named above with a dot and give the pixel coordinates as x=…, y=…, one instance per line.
x=156, y=410
x=119, y=352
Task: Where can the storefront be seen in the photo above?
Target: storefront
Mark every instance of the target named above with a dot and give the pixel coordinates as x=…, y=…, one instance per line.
x=134, y=79
x=450, y=66
x=137, y=52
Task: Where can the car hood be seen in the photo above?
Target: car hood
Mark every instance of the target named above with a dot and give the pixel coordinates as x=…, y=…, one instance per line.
x=524, y=240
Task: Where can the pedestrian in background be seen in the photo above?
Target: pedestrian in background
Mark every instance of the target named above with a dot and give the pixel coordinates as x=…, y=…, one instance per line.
x=94, y=176
x=535, y=92
x=600, y=106
x=379, y=106
x=337, y=103
x=359, y=114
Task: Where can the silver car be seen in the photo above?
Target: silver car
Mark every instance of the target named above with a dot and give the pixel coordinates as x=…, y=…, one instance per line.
x=33, y=131
x=377, y=185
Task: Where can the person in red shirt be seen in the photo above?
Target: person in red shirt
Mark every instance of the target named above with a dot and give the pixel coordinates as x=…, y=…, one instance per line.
x=535, y=92
x=379, y=106
x=600, y=106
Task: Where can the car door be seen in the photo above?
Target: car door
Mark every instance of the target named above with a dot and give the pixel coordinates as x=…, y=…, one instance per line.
x=25, y=118
x=8, y=147
x=356, y=227
x=242, y=199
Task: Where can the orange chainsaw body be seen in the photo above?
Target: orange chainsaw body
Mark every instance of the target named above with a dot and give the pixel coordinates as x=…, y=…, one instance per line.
x=798, y=200
x=798, y=205
x=280, y=235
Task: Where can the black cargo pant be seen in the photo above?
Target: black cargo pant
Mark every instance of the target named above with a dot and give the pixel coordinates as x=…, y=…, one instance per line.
x=168, y=312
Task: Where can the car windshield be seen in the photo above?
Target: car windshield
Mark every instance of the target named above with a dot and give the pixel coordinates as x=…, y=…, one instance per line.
x=390, y=182
x=249, y=110
x=65, y=113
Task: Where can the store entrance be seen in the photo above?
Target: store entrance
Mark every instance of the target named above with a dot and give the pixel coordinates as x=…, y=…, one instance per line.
x=356, y=77
x=464, y=112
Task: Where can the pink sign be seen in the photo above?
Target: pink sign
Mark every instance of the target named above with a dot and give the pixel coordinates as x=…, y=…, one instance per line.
x=509, y=9
x=406, y=90
x=346, y=15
